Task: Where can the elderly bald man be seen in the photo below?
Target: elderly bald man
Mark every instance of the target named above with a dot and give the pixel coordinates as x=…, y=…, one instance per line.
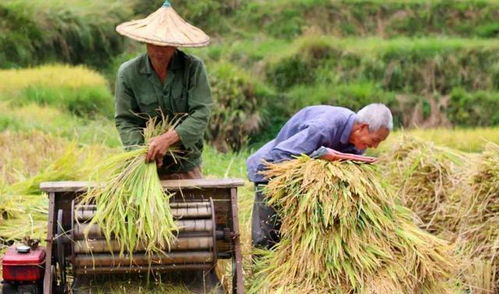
x=308, y=130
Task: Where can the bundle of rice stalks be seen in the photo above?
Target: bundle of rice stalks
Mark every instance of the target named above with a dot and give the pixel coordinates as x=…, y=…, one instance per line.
x=24, y=154
x=65, y=167
x=75, y=163
x=479, y=231
x=23, y=216
x=343, y=232
x=132, y=206
x=480, y=276
x=481, y=225
x=425, y=175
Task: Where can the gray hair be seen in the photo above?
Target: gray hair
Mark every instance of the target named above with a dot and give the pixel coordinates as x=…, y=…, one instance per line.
x=377, y=116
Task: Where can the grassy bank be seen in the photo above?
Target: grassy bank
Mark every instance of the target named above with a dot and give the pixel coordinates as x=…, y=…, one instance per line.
x=287, y=19
x=433, y=62
x=76, y=31
x=427, y=82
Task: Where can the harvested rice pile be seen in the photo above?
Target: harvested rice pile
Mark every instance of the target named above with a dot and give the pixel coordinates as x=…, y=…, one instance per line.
x=344, y=232
x=456, y=197
x=132, y=206
x=481, y=225
x=426, y=176
x=479, y=229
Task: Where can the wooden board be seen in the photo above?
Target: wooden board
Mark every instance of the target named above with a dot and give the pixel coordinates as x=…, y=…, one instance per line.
x=72, y=186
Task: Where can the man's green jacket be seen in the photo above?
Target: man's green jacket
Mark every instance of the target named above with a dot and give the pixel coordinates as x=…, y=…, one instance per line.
x=140, y=94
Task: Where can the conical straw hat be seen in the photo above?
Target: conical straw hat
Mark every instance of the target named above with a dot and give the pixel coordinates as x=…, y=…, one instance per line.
x=164, y=27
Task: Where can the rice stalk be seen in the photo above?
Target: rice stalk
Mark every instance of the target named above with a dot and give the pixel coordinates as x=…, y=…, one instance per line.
x=480, y=276
x=479, y=229
x=25, y=154
x=343, y=231
x=64, y=168
x=426, y=176
x=132, y=206
x=455, y=196
x=75, y=163
x=23, y=216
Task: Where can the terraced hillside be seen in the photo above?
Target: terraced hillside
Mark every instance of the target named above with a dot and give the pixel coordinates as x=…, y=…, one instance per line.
x=435, y=63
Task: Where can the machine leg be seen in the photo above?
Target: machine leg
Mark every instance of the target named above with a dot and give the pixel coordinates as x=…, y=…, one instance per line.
x=48, y=279
x=237, y=279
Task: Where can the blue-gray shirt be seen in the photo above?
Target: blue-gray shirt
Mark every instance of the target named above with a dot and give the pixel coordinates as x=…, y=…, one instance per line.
x=308, y=130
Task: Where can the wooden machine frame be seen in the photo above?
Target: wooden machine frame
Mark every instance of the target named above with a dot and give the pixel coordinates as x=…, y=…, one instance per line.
x=223, y=193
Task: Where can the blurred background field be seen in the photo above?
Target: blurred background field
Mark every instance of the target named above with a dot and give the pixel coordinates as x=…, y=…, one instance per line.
x=435, y=63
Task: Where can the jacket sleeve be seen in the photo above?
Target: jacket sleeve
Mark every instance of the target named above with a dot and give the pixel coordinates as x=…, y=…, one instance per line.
x=305, y=141
x=129, y=125
x=199, y=103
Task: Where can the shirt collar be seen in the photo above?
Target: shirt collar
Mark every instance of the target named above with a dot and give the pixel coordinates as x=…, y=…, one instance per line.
x=345, y=135
x=175, y=64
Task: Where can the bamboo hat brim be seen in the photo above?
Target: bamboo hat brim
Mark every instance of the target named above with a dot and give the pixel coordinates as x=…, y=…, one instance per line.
x=164, y=27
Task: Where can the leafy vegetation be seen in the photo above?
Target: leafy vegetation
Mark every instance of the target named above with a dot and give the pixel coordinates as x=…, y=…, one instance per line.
x=239, y=103
x=76, y=31
x=286, y=19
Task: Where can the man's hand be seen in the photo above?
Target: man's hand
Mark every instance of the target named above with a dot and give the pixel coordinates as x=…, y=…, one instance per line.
x=333, y=155
x=158, y=146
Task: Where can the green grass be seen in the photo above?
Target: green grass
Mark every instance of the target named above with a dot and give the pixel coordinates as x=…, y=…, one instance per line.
x=224, y=165
x=288, y=19
x=240, y=106
x=471, y=140
x=78, y=90
x=65, y=101
x=454, y=79
x=409, y=65
x=35, y=32
x=51, y=120
x=80, y=31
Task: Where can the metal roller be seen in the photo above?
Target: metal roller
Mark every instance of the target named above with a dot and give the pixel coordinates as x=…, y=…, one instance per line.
x=194, y=247
x=102, y=260
x=140, y=269
x=184, y=211
x=172, y=205
x=189, y=204
x=101, y=246
x=191, y=212
x=193, y=225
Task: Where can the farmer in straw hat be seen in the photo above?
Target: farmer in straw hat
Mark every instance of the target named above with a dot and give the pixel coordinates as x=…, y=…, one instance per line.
x=333, y=133
x=165, y=81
